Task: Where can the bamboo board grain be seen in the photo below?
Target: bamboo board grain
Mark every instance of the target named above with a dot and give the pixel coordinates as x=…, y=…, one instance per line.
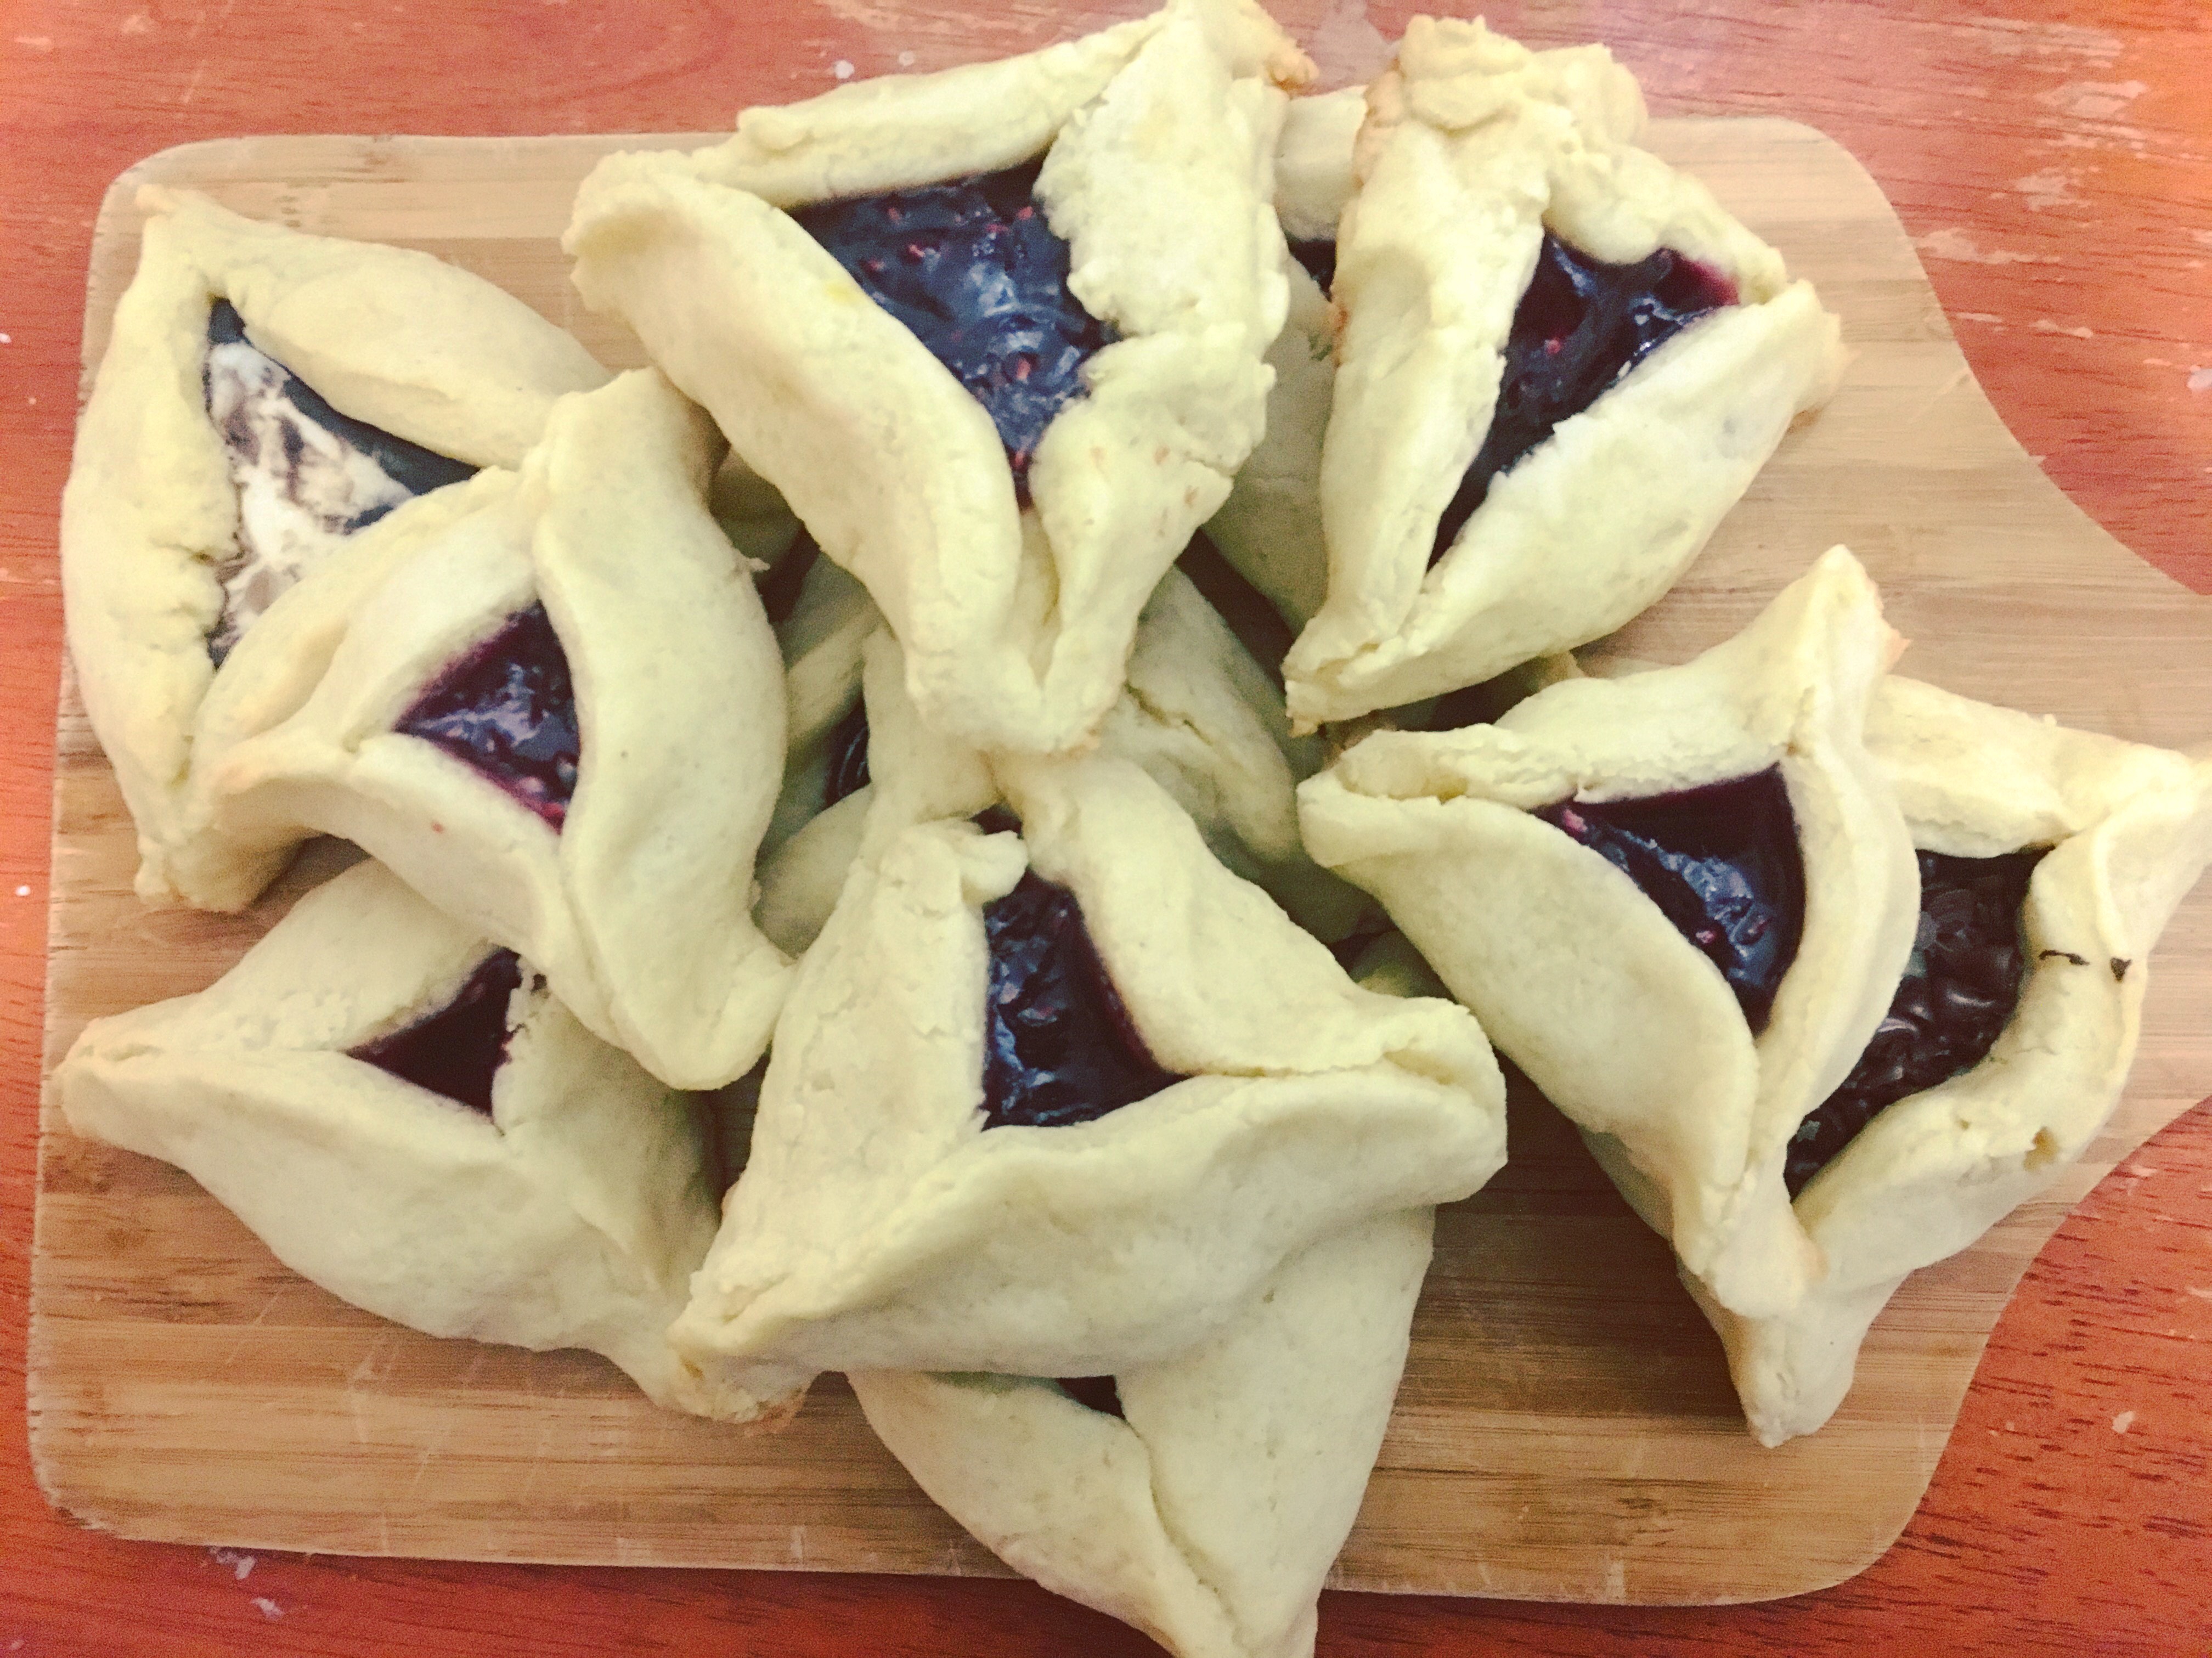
x=1566, y=1429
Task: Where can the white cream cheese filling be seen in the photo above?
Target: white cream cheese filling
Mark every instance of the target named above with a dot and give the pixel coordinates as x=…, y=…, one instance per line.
x=302, y=488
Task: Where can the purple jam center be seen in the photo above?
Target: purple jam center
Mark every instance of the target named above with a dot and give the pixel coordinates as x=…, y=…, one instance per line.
x=413, y=468
x=1059, y=1045
x=455, y=1050
x=1723, y=865
x=974, y=270
x=508, y=707
x=1318, y=256
x=1958, y=994
x=1581, y=325
x=1096, y=1392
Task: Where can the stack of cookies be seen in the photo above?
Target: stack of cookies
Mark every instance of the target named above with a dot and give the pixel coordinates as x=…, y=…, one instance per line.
x=854, y=879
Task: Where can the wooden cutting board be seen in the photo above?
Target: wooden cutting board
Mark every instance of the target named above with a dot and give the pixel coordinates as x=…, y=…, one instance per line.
x=1565, y=1430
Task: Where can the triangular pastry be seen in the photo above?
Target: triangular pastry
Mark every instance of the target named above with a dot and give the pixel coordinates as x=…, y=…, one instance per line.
x=1679, y=900
x=405, y=1115
x=560, y=718
x=996, y=334
x=2049, y=861
x=268, y=401
x=1206, y=1503
x=1559, y=363
x=1058, y=1098
x=1202, y=1498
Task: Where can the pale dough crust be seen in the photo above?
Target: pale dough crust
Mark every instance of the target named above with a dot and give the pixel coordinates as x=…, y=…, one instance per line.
x=425, y=350
x=1158, y=139
x=1627, y=1027
x=1209, y=1516
x=1197, y=714
x=1270, y=526
x=572, y=1218
x=878, y=1225
x=1313, y=162
x=1207, y=724
x=2129, y=829
x=637, y=909
x=1472, y=147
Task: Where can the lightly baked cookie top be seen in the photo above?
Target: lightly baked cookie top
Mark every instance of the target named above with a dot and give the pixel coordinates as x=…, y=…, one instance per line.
x=268, y=398
x=559, y=716
x=1558, y=363
x=2049, y=861
x=996, y=334
x=1204, y=1498
x=1056, y=1092
x=1679, y=900
x=1201, y=1498
x=405, y=1115
x=1269, y=529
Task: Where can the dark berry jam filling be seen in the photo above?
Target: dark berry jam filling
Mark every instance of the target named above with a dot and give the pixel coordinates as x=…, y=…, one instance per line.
x=414, y=469
x=508, y=707
x=849, y=756
x=972, y=268
x=455, y=1050
x=1958, y=994
x=1059, y=1045
x=1723, y=865
x=1581, y=325
x=1096, y=1392
x=1319, y=258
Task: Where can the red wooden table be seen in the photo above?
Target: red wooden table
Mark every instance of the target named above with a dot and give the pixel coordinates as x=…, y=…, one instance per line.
x=2056, y=170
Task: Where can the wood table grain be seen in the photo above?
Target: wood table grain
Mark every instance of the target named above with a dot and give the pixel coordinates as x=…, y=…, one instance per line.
x=2054, y=163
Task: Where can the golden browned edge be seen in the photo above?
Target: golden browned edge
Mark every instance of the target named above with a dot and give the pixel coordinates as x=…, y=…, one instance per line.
x=1566, y=1429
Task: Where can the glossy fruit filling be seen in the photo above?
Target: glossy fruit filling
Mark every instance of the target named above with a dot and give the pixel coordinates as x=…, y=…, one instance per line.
x=456, y=1050
x=1959, y=992
x=1722, y=863
x=1059, y=1045
x=1580, y=325
x=306, y=475
x=508, y=707
x=974, y=270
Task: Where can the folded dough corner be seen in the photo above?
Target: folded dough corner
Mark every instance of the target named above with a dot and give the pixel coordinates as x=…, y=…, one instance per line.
x=1942, y=1136
x=1558, y=363
x=558, y=714
x=1010, y=490
x=1679, y=900
x=898, y=1213
x=1949, y=1033
x=1204, y=1499
x=1207, y=1513
x=406, y=1116
x=269, y=401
